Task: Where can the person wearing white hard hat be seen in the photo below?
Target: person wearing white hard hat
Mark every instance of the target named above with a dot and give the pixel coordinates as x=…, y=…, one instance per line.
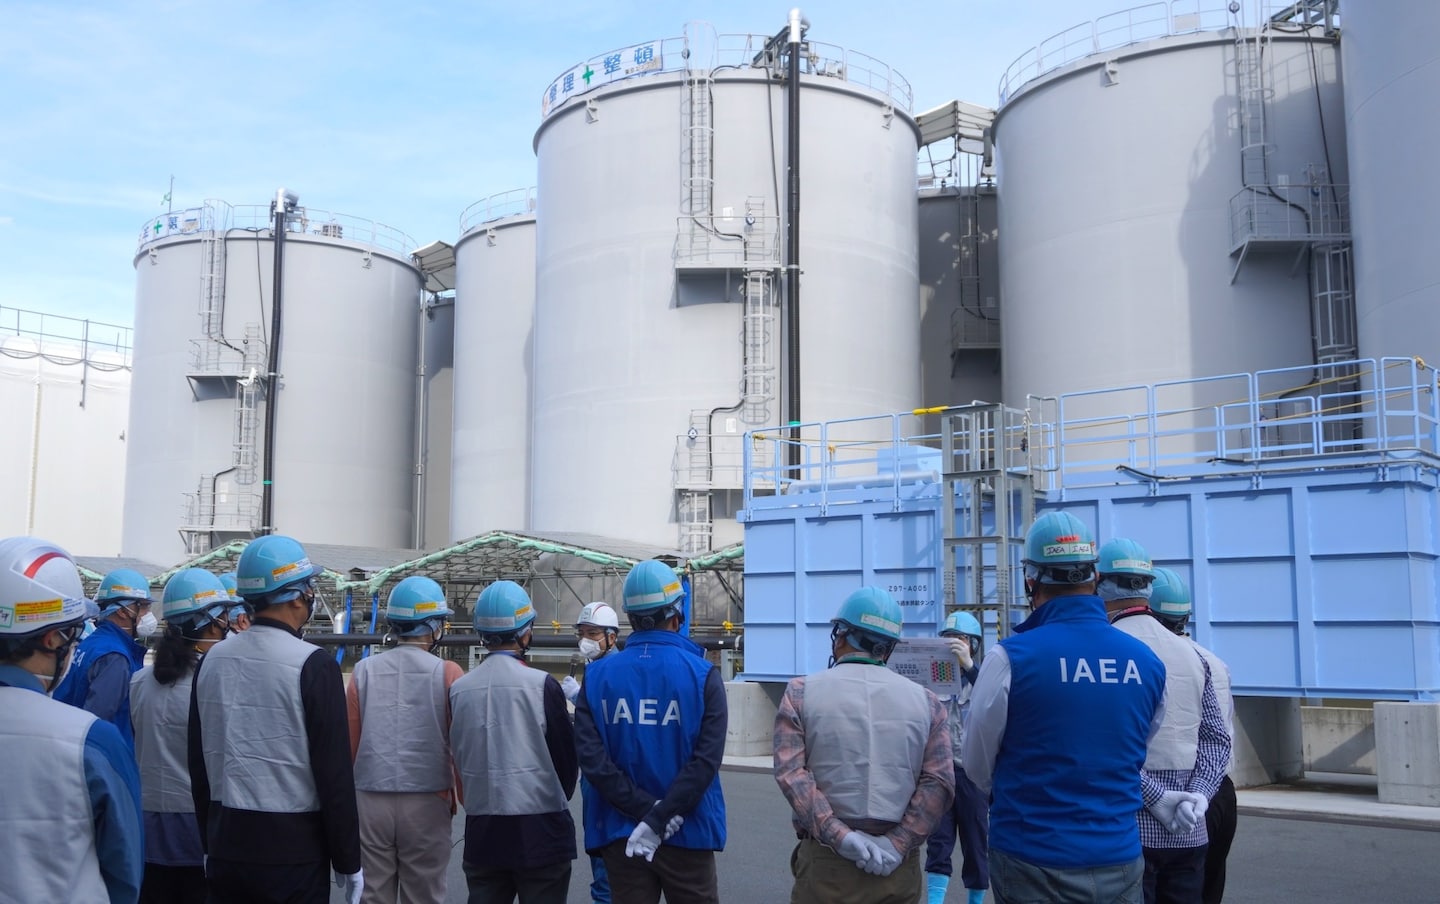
x=597, y=629
x=872, y=812
x=70, y=800
x=399, y=703
x=269, y=752
x=194, y=604
x=514, y=746
x=99, y=678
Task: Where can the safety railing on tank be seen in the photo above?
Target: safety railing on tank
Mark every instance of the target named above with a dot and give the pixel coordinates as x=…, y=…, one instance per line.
x=221, y=216
x=734, y=241
x=975, y=327
x=1180, y=427
x=511, y=203
x=1304, y=212
x=1119, y=29
x=64, y=340
x=734, y=51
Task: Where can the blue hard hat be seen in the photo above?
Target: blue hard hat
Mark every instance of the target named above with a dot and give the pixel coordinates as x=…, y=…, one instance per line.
x=651, y=585
x=121, y=586
x=873, y=611
x=1169, y=596
x=959, y=622
x=1122, y=556
x=1059, y=549
x=415, y=599
x=228, y=579
x=503, y=608
x=271, y=566
x=194, y=595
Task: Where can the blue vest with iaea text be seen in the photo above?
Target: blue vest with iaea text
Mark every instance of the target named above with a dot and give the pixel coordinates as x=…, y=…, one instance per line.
x=108, y=638
x=647, y=701
x=1067, y=775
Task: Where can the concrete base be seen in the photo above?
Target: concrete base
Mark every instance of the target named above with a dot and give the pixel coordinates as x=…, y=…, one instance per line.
x=1339, y=739
x=1407, y=753
x=752, y=718
x=1268, y=741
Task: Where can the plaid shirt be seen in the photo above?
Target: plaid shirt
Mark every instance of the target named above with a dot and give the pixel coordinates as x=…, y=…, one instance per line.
x=812, y=812
x=1212, y=758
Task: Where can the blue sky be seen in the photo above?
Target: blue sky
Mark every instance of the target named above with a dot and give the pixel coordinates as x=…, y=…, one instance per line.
x=403, y=113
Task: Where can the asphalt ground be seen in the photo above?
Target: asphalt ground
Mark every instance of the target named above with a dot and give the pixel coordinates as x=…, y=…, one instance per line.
x=1273, y=859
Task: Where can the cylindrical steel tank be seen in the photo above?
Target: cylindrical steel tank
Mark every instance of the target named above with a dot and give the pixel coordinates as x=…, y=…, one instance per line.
x=1392, y=77
x=659, y=193
x=494, y=313
x=1124, y=211
x=344, y=441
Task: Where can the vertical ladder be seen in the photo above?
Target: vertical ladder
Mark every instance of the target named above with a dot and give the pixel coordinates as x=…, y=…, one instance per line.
x=212, y=282
x=248, y=389
x=759, y=366
x=1332, y=311
x=697, y=180
x=696, y=526
x=1250, y=75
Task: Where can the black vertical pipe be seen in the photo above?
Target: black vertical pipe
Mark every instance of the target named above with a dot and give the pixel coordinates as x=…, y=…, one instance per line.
x=272, y=377
x=792, y=243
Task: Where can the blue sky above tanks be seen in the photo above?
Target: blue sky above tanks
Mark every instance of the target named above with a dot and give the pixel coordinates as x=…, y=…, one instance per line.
x=402, y=113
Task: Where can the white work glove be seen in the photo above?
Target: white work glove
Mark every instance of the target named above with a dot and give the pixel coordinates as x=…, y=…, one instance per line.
x=1192, y=809
x=350, y=886
x=960, y=647
x=853, y=847
x=571, y=687
x=883, y=858
x=1167, y=812
x=643, y=842
x=673, y=826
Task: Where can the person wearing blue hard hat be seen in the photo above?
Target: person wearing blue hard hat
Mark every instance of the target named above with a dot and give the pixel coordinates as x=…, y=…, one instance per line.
x=399, y=703
x=1190, y=752
x=1060, y=717
x=873, y=812
x=269, y=747
x=650, y=726
x=99, y=677
x=516, y=783
x=195, y=606
x=1170, y=602
x=70, y=801
x=240, y=611
x=969, y=816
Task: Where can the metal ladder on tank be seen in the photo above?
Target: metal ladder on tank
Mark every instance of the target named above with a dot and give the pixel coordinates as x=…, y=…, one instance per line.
x=248, y=390
x=759, y=328
x=697, y=189
x=1250, y=74
x=696, y=522
x=984, y=455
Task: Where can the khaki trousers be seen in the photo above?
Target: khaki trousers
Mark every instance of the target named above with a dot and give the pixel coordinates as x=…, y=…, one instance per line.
x=404, y=846
x=824, y=877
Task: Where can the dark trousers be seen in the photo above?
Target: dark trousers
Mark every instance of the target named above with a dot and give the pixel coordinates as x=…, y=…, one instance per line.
x=537, y=885
x=1220, y=823
x=1174, y=875
x=233, y=882
x=1014, y=881
x=685, y=876
x=968, y=817
x=173, y=885
x=824, y=877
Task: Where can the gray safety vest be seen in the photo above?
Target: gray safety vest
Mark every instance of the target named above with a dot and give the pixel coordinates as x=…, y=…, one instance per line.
x=404, y=735
x=47, y=824
x=1220, y=678
x=865, y=734
x=252, y=722
x=507, y=771
x=161, y=717
x=1176, y=743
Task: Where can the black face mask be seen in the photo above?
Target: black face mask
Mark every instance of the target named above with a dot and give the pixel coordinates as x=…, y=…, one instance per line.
x=62, y=657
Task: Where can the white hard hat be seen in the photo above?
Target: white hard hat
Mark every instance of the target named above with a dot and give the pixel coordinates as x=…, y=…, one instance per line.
x=40, y=587
x=598, y=615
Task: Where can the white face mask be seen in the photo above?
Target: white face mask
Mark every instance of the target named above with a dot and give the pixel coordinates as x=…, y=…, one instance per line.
x=590, y=649
x=147, y=625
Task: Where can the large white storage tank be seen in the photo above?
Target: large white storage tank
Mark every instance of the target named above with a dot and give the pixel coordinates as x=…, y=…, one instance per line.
x=65, y=390
x=1131, y=180
x=494, y=319
x=439, y=392
x=345, y=433
x=658, y=242
x=1392, y=78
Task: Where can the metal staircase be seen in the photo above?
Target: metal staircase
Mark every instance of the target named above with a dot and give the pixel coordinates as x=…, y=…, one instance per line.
x=989, y=500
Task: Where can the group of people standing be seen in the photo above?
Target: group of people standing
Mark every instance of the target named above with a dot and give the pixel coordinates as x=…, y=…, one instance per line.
x=1084, y=759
